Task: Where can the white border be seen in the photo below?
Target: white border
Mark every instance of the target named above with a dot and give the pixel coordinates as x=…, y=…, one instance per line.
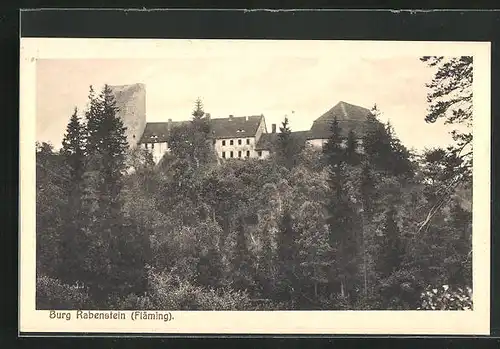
x=278, y=322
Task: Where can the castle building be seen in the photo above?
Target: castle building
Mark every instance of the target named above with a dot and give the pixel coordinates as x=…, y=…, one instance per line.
x=233, y=137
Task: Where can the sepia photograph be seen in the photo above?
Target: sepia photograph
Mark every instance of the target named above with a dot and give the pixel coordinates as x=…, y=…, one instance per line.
x=255, y=176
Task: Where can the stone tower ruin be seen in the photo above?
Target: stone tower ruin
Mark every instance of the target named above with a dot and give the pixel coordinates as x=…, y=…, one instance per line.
x=131, y=103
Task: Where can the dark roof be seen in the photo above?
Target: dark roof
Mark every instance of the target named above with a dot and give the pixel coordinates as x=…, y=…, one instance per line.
x=232, y=127
x=267, y=141
x=349, y=116
x=156, y=132
x=235, y=127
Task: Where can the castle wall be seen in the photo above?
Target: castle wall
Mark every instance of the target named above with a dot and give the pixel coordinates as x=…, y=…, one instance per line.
x=131, y=103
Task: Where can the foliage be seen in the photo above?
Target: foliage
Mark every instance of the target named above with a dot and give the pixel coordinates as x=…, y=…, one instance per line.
x=168, y=291
x=450, y=98
x=287, y=147
x=446, y=298
x=346, y=228
x=51, y=294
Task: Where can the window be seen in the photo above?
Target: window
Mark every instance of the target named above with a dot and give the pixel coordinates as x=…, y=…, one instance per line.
x=152, y=145
x=223, y=143
x=231, y=154
x=248, y=152
x=248, y=140
x=231, y=142
x=239, y=154
x=146, y=145
x=223, y=154
x=259, y=153
x=214, y=141
x=239, y=141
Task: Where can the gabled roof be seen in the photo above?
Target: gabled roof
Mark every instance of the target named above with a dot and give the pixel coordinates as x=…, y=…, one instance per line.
x=349, y=116
x=232, y=127
x=235, y=127
x=267, y=141
x=156, y=132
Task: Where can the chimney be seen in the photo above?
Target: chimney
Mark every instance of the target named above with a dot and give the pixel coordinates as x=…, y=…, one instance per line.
x=246, y=118
x=231, y=117
x=273, y=128
x=169, y=124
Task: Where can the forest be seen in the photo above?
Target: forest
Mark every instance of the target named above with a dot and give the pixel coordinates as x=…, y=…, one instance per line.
x=363, y=224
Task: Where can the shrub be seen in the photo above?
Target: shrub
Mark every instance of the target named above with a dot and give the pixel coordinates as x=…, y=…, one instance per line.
x=446, y=298
x=54, y=295
x=172, y=293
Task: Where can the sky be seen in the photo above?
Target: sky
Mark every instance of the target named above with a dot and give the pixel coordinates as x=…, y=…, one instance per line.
x=302, y=84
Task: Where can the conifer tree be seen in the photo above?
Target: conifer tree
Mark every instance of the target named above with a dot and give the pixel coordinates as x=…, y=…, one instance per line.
x=191, y=142
x=351, y=150
x=332, y=150
x=450, y=98
x=93, y=121
x=399, y=163
x=73, y=147
x=342, y=216
x=73, y=151
x=106, y=229
x=200, y=123
x=286, y=147
x=377, y=142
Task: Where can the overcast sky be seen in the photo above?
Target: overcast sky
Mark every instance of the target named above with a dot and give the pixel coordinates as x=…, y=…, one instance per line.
x=248, y=84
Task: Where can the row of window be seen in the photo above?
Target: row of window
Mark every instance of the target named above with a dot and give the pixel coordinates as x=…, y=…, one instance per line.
x=231, y=154
x=231, y=142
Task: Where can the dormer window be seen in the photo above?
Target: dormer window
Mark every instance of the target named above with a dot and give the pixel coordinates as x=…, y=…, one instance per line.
x=240, y=130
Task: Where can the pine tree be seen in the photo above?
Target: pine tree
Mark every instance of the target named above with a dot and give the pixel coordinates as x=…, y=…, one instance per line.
x=450, y=98
x=200, y=123
x=332, y=150
x=198, y=110
x=399, y=163
x=105, y=227
x=377, y=143
x=351, y=151
x=286, y=147
x=191, y=142
x=342, y=216
x=73, y=152
x=93, y=121
x=74, y=147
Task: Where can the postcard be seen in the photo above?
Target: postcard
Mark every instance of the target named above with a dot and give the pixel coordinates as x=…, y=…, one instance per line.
x=254, y=187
